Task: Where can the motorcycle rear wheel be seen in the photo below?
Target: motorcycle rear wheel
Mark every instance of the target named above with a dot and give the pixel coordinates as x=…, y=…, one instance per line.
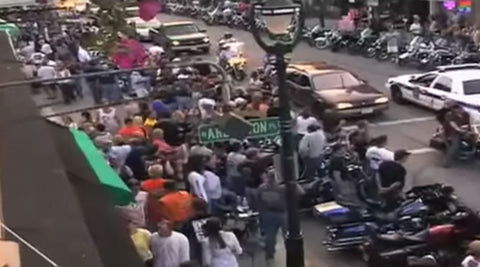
x=321, y=44
x=239, y=75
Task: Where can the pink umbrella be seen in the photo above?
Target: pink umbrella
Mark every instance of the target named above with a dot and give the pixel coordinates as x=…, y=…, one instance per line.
x=132, y=54
x=148, y=9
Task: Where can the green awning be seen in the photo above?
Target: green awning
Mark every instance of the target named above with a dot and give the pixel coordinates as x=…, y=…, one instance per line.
x=119, y=191
x=9, y=28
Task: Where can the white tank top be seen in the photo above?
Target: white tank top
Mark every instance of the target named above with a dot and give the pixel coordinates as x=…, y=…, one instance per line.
x=108, y=119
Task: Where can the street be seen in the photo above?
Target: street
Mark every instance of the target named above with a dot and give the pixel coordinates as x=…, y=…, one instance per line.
x=407, y=126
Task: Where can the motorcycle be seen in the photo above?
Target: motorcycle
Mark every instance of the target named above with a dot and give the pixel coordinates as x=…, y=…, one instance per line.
x=342, y=41
x=235, y=65
x=418, y=50
x=347, y=222
x=440, y=55
x=323, y=39
x=213, y=16
x=467, y=150
x=441, y=244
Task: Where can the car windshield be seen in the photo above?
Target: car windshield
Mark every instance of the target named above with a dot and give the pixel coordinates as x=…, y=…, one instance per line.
x=471, y=87
x=132, y=12
x=141, y=25
x=335, y=80
x=181, y=29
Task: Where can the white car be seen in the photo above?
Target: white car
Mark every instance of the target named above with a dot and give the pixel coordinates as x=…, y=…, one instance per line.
x=460, y=83
x=142, y=28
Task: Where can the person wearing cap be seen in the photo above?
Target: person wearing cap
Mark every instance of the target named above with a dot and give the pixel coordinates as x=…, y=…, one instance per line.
x=391, y=178
x=311, y=149
x=473, y=252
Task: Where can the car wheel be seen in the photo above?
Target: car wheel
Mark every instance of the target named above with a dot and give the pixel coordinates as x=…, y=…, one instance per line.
x=397, y=95
x=319, y=109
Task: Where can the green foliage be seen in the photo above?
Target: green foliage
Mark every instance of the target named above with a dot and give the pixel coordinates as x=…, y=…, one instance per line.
x=111, y=16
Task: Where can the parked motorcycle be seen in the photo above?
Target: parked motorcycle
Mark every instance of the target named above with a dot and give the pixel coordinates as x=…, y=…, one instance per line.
x=440, y=245
x=323, y=39
x=418, y=50
x=467, y=150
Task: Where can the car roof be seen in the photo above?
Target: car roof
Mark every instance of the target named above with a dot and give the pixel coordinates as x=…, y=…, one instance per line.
x=178, y=23
x=139, y=19
x=462, y=75
x=314, y=68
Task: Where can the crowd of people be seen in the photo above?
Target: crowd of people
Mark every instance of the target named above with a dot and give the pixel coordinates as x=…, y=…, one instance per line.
x=184, y=190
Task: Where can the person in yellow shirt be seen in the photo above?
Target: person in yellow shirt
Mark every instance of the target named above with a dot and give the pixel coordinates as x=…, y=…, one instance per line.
x=141, y=241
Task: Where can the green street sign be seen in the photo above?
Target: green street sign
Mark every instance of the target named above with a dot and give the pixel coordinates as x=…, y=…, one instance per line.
x=261, y=128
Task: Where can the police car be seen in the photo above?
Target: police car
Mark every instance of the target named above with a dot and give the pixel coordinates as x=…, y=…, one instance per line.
x=460, y=83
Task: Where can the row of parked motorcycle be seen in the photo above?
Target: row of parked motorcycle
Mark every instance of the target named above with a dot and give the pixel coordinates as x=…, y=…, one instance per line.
x=429, y=226
x=231, y=15
x=423, y=52
x=396, y=46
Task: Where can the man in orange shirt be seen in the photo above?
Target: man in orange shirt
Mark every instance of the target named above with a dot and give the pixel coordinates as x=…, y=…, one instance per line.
x=130, y=130
x=155, y=183
x=176, y=205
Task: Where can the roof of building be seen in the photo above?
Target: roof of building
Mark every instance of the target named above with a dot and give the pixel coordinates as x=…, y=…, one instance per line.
x=50, y=195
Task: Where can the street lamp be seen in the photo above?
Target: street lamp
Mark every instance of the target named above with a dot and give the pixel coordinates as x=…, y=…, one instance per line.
x=276, y=26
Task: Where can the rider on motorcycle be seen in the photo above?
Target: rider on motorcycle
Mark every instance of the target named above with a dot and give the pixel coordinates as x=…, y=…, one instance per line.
x=227, y=38
x=457, y=128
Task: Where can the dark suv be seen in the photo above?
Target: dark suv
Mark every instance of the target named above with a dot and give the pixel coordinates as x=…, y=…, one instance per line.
x=333, y=92
x=181, y=36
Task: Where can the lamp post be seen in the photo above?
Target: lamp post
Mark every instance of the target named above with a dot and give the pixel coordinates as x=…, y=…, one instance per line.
x=283, y=21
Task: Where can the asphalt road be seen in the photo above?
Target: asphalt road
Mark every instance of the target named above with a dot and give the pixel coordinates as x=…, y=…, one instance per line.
x=407, y=126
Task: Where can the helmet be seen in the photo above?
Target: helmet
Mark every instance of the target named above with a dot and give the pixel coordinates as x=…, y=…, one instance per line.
x=228, y=35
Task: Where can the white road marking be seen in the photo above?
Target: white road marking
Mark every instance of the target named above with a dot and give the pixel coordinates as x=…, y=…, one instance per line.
x=391, y=123
x=406, y=121
x=421, y=151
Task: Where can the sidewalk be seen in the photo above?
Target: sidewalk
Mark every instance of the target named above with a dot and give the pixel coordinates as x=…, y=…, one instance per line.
x=254, y=256
x=329, y=23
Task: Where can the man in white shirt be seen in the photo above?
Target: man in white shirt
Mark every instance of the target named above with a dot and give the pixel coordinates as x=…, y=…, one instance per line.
x=156, y=50
x=196, y=177
x=311, y=149
x=47, y=50
x=234, y=159
x=83, y=55
x=48, y=71
x=213, y=186
x=169, y=248
x=207, y=108
x=302, y=122
x=377, y=153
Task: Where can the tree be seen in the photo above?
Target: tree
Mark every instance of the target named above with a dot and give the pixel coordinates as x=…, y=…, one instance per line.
x=111, y=18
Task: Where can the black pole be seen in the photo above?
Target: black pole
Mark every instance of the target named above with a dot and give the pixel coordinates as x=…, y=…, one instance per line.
x=293, y=238
x=322, y=13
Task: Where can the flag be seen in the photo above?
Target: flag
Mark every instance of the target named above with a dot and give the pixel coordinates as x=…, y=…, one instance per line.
x=148, y=9
x=130, y=54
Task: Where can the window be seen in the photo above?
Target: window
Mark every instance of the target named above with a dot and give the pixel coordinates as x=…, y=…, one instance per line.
x=443, y=84
x=183, y=29
x=335, y=80
x=471, y=87
x=299, y=79
x=425, y=80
